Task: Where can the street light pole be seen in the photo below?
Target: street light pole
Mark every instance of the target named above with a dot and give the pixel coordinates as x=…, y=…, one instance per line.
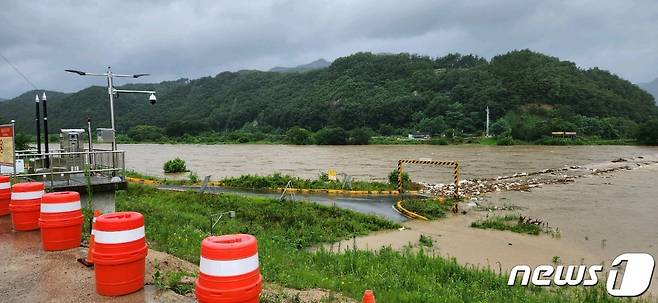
x=110, y=88
x=111, y=91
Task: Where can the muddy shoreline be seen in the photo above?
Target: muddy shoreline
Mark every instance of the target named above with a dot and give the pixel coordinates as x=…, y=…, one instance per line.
x=606, y=209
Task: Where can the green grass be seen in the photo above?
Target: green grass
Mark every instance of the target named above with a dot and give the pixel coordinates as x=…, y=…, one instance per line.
x=172, y=280
x=193, y=178
x=138, y=175
x=278, y=180
x=428, y=208
x=176, y=222
x=509, y=222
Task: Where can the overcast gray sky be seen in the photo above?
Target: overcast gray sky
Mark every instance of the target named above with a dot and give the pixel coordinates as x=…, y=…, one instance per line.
x=191, y=39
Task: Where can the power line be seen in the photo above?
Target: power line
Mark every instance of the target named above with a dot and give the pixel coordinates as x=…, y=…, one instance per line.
x=19, y=72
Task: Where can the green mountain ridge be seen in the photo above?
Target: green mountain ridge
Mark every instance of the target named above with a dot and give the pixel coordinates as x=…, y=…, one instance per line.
x=384, y=92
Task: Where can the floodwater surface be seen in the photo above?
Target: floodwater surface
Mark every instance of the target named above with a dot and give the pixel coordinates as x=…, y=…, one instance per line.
x=368, y=162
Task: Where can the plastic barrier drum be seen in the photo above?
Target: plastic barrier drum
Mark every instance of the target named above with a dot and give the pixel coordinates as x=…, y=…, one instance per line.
x=229, y=270
x=5, y=195
x=25, y=205
x=119, y=253
x=60, y=221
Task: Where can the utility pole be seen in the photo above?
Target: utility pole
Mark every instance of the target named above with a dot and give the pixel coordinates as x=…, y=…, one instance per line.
x=37, y=119
x=487, y=133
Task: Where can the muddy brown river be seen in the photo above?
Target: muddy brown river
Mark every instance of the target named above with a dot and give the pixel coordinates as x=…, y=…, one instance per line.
x=368, y=162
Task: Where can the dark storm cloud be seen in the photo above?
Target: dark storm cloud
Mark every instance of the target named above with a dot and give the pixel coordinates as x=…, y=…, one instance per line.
x=182, y=38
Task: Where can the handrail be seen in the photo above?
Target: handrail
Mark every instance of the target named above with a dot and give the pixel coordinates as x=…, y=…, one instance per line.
x=72, y=153
x=67, y=164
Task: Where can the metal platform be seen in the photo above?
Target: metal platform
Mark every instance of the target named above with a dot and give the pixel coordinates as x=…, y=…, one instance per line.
x=98, y=172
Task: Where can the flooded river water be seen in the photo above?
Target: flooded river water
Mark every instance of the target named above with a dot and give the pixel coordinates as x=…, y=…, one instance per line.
x=599, y=215
x=368, y=162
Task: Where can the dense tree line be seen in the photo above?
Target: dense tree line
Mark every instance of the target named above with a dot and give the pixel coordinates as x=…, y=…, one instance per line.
x=529, y=95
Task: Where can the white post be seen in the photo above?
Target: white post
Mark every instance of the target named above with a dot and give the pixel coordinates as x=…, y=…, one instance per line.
x=110, y=90
x=487, y=135
x=13, y=143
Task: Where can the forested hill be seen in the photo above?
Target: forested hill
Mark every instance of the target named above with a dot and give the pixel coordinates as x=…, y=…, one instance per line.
x=386, y=93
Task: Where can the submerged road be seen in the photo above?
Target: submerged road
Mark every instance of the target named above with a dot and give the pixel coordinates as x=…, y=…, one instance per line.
x=381, y=206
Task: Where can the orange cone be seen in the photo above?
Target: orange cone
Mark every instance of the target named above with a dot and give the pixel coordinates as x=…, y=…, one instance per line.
x=89, y=260
x=368, y=297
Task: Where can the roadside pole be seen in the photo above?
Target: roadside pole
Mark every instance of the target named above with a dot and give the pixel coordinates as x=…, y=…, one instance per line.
x=13, y=144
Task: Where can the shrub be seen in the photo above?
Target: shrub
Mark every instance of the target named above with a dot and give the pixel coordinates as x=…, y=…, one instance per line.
x=331, y=136
x=175, y=166
x=194, y=177
x=429, y=208
x=360, y=136
x=648, y=133
x=146, y=133
x=501, y=128
x=22, y=141
x=393, y=179
x=299, y=136
x=439, y=141
x=506, y=140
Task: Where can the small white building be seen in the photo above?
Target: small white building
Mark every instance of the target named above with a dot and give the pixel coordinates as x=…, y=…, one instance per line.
x=420, y=136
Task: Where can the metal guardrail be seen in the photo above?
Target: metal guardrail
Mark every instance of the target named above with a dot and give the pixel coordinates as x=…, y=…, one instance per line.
x=62, y=167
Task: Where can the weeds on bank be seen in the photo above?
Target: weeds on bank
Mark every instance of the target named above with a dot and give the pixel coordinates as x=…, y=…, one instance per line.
x=426, y=241
x=517, y=224
x=278, y=180
x=430, y=208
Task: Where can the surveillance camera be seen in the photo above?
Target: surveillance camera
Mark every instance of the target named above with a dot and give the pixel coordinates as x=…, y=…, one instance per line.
x=153, y=99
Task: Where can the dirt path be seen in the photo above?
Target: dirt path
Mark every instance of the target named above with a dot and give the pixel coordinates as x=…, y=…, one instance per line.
x=28, y=274
x=599, y=217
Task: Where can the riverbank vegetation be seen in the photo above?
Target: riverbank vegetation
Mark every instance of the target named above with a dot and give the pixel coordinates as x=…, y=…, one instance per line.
x=175, y=166
x=176, y=222
x=515, y=223
x=430, y=208
x=277, y=180
x=366, y=95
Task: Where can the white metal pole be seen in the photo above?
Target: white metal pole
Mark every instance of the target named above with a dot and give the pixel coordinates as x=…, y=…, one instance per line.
x=13, y=144
x=110, y=90
x=487, y=121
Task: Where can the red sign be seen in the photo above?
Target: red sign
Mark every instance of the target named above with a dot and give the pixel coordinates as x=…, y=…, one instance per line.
x=6, y=131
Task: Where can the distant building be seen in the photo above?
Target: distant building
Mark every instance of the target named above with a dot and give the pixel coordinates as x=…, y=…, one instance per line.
x=564, y=134
x=420, y=136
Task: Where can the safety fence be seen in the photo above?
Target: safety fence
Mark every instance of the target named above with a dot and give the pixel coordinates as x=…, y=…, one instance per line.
x=456, y=172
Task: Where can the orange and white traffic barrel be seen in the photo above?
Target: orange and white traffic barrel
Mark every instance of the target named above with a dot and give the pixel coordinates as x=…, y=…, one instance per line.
x=229, y=270
x=25, y=205
x=61, y=220
x=119, y=253
x=5, y=195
